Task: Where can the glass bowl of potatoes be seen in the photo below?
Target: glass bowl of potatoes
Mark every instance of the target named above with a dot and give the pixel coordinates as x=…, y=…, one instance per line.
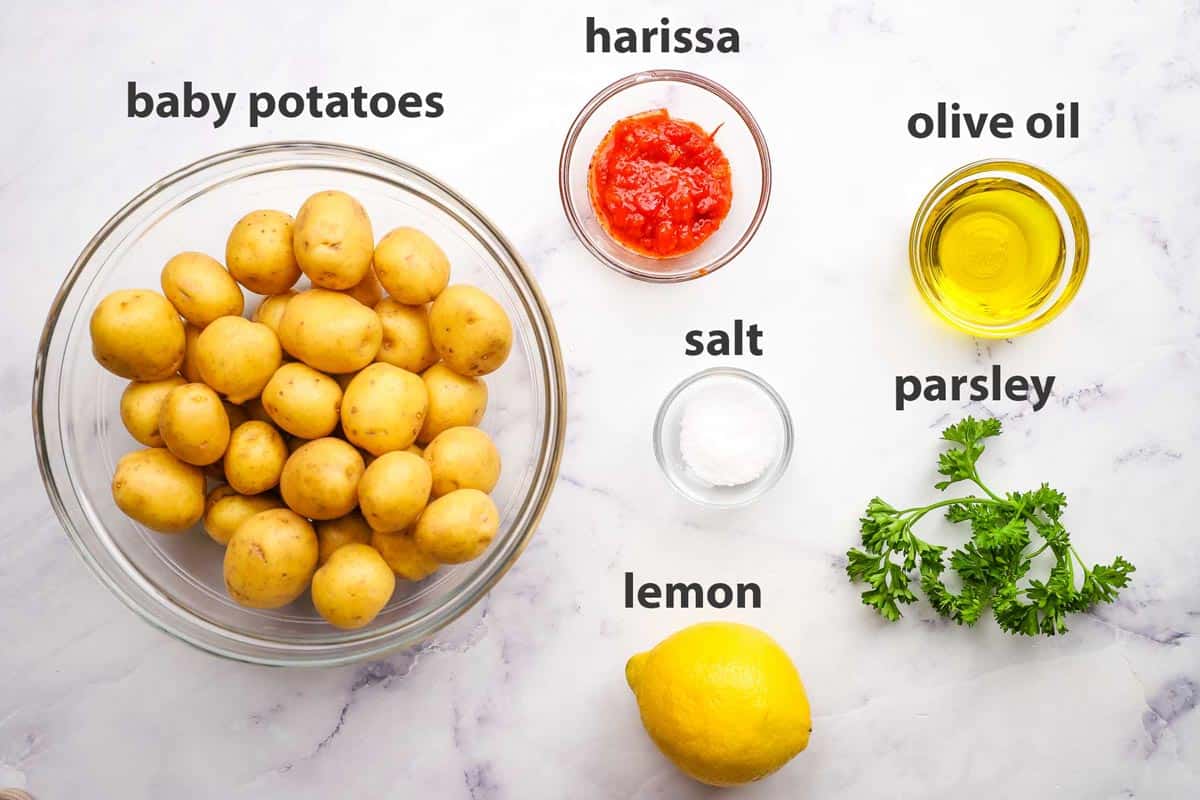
x=299, y=404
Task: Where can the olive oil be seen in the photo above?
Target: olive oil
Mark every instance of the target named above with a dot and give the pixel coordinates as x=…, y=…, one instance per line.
x=995, y=250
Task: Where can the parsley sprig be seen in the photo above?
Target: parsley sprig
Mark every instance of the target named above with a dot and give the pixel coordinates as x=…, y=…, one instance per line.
x=1007, y=533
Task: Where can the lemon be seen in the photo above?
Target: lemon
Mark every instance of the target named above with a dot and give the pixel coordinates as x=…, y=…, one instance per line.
x=723, y=701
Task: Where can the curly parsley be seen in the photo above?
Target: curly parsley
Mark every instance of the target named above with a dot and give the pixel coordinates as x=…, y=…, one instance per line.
x=1007, y=533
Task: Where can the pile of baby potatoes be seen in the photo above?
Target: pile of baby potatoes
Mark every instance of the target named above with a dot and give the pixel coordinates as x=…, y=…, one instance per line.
x=340, y=424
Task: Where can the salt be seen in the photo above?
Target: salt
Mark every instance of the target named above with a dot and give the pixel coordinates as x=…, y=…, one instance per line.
x=727, y=435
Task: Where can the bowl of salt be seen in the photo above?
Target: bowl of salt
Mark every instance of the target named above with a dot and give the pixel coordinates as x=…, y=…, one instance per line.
x=723, y=437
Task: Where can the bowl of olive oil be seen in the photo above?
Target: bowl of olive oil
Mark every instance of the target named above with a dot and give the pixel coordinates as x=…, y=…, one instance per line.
x=999, y=248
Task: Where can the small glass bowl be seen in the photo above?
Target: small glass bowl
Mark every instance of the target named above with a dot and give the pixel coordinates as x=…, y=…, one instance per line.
x=690, y=97
x=670, y=458
x=1070, y=221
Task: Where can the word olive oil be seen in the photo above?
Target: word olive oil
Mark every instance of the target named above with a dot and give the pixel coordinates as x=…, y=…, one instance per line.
x=996, y=250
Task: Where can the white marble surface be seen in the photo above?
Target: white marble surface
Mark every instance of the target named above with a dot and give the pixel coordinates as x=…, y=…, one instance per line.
x=525, y=698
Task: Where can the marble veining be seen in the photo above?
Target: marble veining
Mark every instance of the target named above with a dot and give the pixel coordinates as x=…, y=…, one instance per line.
x=525, y=697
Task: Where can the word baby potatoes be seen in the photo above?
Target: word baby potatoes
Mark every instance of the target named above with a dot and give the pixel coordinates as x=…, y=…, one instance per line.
x=359, y=103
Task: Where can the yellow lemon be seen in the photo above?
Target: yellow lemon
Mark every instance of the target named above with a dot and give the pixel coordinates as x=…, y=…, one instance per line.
x=723, y=701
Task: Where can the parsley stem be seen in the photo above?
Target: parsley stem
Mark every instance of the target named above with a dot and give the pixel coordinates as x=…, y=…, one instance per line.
x=1082, y=563
x=943, y=503
x=975, y=479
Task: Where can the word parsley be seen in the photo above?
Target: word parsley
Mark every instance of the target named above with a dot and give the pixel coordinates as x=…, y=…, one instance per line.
x=995, y=560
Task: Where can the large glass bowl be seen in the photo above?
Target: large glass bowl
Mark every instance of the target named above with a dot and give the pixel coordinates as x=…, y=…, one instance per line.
x=175, y=581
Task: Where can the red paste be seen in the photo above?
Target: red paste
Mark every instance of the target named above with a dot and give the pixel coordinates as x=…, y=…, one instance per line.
x=659, y=185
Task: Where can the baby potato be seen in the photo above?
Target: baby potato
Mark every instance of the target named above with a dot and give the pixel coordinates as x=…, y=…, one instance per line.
x=411, y=266
x=140, y=403
x=302, y=401
x=330, y=331
x=403, y=556
x=259, y=252
x=334, y=533
x=270, y=311
x=188, y=369
x=200, y=288
x=454, y=400
x=255, y=457
x=320, y=479
x=406, y=340
x=137, y=335
x=158, y=490
x=463, y=458
x=457, y=527
x=470, y=330
x=394, y=490
x=333, y=240
x=352, y=587
x=193, y=424
x=270, y=559
x=383, y=408
x=237, y=357
x=367, y=291
x=225, y=510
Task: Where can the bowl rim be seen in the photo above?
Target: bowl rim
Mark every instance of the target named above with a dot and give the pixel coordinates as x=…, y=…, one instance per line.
x=653, y=76
x=288, y=654
x=1027, y=173
x=785, y=414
